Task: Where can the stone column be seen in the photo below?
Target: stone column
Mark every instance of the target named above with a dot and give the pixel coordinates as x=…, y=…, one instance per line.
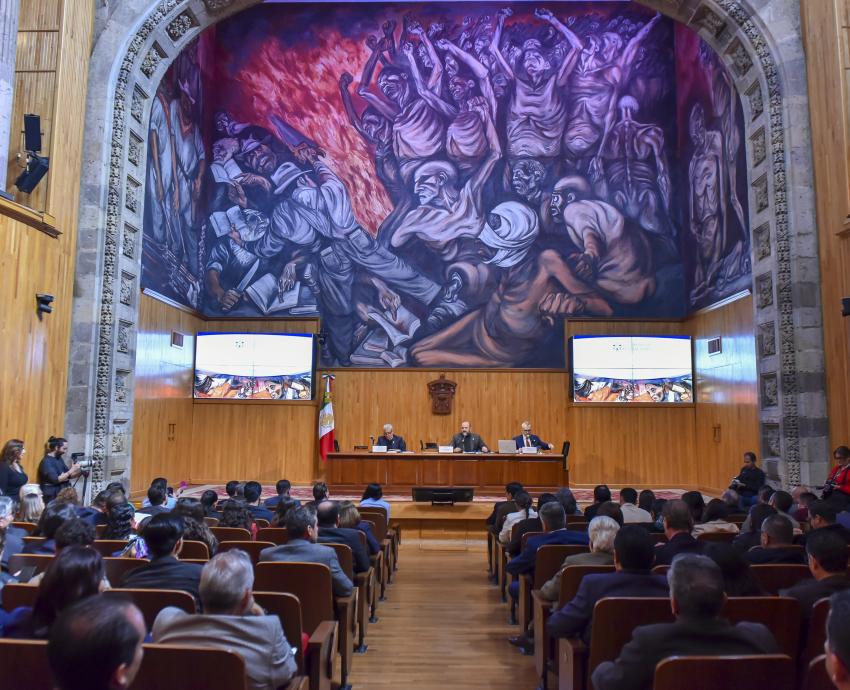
x=8, y=49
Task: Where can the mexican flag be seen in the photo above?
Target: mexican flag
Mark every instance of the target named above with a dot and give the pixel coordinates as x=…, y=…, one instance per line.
x=326, y=421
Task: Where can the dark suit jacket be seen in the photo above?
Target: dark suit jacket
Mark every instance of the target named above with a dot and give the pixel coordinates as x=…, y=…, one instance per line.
x=396, y=443
x=590, y=511
x=838, y=529
x=634, y=669
x=808, y=592
x=350, y=537
x=776, y=554
x=524, y=563
x=575, y=618
x=500, y=511
x=166, y=573
x=536, y=441
x=472, y=442
x=523, y=526
x=46, y=547
x=680, y=543
x=155, y=510
x=260, y=512
x=14, y=544
x=747, y=540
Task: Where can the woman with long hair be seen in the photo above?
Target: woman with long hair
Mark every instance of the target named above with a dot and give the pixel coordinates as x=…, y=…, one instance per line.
x=349, y=516
x=195, y=529
x=235, y=514
x=30, y=503
x=12, y=475
x=524, y=511
x=120, y=520
x=282, y=510
x=373, y=496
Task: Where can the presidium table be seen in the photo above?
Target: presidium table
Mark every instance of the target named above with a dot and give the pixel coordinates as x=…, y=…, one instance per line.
x=484, y=472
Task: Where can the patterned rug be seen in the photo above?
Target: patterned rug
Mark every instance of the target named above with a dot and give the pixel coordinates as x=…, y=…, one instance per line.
x=305, y=493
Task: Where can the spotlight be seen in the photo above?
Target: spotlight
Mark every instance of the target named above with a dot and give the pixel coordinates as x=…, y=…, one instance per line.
x=37, y=167
x=43, y=303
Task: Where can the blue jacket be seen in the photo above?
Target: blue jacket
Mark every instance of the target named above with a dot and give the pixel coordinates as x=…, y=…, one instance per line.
x=575, y=618
x=524, y=563
x=536, y=441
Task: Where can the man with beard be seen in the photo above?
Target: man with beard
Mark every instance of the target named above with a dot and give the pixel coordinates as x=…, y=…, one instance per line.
x=527, y=177
x=259, y=158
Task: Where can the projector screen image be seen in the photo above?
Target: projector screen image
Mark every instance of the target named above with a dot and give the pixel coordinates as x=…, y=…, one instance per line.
x=254, y=366
x=632, y=369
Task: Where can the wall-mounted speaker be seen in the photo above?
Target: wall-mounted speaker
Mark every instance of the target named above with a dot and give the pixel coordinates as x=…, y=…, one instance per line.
x=32, y=133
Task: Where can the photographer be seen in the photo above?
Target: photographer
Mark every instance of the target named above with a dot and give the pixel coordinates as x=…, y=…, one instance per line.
x=837, y=487
x=748, y=482
x=53, y=474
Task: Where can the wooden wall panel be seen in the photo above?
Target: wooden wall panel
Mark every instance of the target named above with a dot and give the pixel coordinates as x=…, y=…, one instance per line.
x=826, y=28
x=34, y=352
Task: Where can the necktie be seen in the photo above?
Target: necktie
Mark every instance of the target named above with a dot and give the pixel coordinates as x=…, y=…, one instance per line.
x=528, y=442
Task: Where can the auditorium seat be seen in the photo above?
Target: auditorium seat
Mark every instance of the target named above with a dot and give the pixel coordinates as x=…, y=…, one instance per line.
x=816, y=677
x=29, y=527
x=371, y=601
x=276, y=535
x=29, y=539
x=717, y=537
x=108, y=547
x=24, y=664
x=773, y=577
x=360, y=580
x=99, y=530
x=252, y=548
x=383, y=534
x=24, y=560
x=261, y=522
x=661, y=569
x=211, y=521
x=526, y=537
x=318, y=663
x=231, y=533
x=815, y=637
x=781, y=615
x=16, y=595
x=117, y=568
x=774, y=671
x=377, y=560
x=152, y=601
x=196, y=550
x=547, y=562
x=311, y=583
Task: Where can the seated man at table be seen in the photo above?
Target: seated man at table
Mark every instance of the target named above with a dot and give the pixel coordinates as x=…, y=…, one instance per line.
x=633, y=556
x=391, y=440
x=696, y=598
x=467, y=442
x=327, y=515
x=528, y=440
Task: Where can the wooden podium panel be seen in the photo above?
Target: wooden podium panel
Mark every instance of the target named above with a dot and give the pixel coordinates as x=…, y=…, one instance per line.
x=486, y=472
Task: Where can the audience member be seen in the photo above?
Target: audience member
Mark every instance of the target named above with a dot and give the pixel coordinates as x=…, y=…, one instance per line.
x=231, y=489
x=524, y=511
x=12, y=475
x=350, y=517
x=827, y=554
x=645, y=500
x=73, y=532
x=96, y=513
x=611, y=510
x=837, y=487
x=281, y=510
x=657, y=514
x=195, y=529
x=696, y=598
x=631, y=512
x=119, y=526
x=30, y=503
x=232, y=621
x=327, y=516
x=738, y=578
x=282, y=488
x=320, y=493
x=752, y=537
x=253, y=493
x=112, y=487
x=837, y=645
x=164, y=538
x=51, y=520
x=600, y=532
x=748, y=482
x=601, y=494
x=209, y=501
x=301, y=524
x=824, y=515
x=777, y=543
x=169, y=501
x=236, y=514
x=696, y=502
x=633, y=557
x=96, y=644
x=567, y=499
x=732, y=500
x=76, y=573
x=373, y=497
x=156, y=500
x=783, y=503
x=501, y=509
x=678, y=523
x=764, y=494
x=532, y=524
x=13, y=537
x=801, y=508
x=715, y=519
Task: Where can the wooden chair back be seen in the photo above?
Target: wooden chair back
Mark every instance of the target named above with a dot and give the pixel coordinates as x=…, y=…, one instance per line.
x=816, y=676
x=252, y=548
x=288, y=609
x=364, y=542
x=231, y=533
x=528, y=535
x=194, y=549
x=24, y=664
x=377, y=516
x=99, y=530
x=549, y=558
x=781, y=615
x=614, y=620
x=571, y=579
x=29, y=539
x=18, y=561
x=117, y=568
x=577, y=520
x=717, y=537
x=775, y=576
x=107, y=547
x=29, y=527
x=152, y=601
x=816, y=635
x=776, y=671
x=15, y=595
x=345, y=557
x=660, y=569
x=261, y=522
x=310, y=582
x=198, y=668
x=577, y=526
x=211, y=521
x=276, y=535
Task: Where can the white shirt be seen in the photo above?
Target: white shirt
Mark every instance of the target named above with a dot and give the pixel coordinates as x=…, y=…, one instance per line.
x=631, y=513
x=511, y=520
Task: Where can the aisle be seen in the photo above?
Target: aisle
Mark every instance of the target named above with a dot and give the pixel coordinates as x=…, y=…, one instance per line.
x=442, y=626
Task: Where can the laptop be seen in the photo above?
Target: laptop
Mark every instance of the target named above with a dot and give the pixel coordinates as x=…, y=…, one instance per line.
x=507, y=446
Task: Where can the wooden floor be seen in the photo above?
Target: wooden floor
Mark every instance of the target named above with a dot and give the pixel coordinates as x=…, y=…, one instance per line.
x=442, y=626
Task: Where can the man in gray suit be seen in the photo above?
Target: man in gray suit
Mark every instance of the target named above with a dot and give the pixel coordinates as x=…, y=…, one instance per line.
x=232, y=621
x=303, y=531
x=467, y=442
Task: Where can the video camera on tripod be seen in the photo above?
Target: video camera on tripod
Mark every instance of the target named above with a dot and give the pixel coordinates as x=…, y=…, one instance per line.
x=85, y=464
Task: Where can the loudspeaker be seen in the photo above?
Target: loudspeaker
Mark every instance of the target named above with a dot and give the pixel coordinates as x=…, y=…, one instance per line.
x=32, y=133
x=845, y=306
x=565, y=451
x=37, y=167
x=43, y=302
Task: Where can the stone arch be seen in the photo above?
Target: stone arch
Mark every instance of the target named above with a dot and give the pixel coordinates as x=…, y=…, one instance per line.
x=137, y=41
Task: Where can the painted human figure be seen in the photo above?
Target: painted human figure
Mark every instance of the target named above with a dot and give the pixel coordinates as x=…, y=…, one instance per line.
x=634, y=173
x=613, y=257
x=507, y=330
x=537, y=113
x=161, y=211
x=528, y=177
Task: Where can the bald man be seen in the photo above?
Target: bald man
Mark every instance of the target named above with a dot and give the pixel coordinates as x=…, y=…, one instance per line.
x=467, y=442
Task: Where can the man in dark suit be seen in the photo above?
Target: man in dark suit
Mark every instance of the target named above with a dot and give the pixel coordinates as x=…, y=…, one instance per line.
x=467, y=442
x=523, y=527
x=696, y=598
x=601, y=494
x=391, y=440
x=283, y=487
x=827, y=553
x=501, y=509
x=632, y=578
x=824, y=515
x=253, y=491
x=157, y=493
x=164, y=538
x=528, y=440
x=777, y=537
x=678, y=523
x=327, y=515
x=837, y=645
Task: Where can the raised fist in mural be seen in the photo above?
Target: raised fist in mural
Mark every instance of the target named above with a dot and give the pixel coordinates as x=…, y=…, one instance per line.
x=436, y=28
x=503, y=14
x=415, y=28
x=345, y=80
x=372, y=42
x=444, y=44
x=544, y=14
x=388, y=27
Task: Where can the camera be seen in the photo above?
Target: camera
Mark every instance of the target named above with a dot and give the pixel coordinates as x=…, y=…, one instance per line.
x=81, y=460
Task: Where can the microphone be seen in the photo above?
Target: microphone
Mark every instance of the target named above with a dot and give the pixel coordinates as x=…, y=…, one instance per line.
x=372, y=439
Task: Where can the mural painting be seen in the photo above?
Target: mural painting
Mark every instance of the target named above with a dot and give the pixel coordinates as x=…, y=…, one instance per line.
x=444, y=184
